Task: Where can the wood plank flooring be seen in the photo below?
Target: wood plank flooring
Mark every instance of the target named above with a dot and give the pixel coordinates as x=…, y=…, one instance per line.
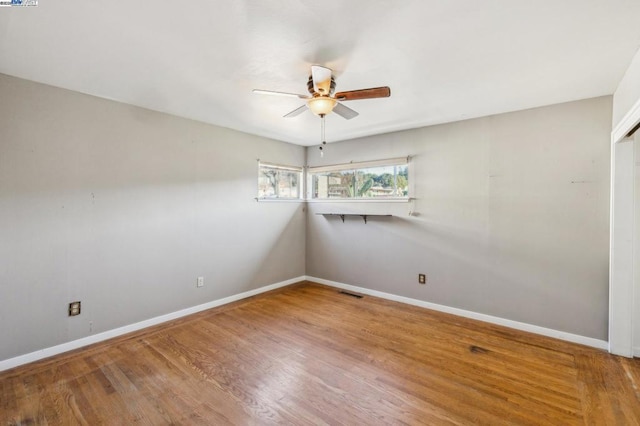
x=307, y=354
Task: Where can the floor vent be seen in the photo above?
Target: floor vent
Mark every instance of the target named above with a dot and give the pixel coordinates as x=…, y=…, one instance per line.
x=478, y=350
x=357, y=296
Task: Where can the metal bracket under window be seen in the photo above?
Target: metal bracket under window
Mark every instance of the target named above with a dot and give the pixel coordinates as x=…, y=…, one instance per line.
x=363, y=216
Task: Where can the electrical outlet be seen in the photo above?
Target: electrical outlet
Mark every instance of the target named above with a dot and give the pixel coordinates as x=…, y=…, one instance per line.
x=200, y=282
x=74, y=309
x=422, y=278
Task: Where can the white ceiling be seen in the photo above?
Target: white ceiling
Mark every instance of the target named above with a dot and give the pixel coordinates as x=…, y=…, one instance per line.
x=445, y=60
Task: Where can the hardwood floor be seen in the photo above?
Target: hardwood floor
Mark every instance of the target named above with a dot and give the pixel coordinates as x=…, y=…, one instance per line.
x=307, y=354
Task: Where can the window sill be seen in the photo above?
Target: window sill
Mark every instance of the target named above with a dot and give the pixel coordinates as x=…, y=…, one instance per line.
x=358, y=200
x=332, y=200
x=280, y=200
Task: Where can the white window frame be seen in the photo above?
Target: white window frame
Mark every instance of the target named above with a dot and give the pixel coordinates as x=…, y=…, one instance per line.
x=277, y=198
x=399, y=161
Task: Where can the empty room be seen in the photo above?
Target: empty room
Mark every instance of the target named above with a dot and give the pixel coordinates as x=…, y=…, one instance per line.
x=341, y=212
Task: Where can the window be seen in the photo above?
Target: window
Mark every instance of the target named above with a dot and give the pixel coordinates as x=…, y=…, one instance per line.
x=279, y=182
x=383, y=179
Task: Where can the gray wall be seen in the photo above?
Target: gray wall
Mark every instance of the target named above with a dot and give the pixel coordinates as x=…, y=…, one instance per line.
x=122, y=208
x=513, y=218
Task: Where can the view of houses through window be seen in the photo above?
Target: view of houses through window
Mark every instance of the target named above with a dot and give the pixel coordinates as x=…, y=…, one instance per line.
x=382, y=179
x=378, y=179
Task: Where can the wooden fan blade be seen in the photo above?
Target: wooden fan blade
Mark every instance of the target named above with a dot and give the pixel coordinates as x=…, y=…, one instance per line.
x=354, y=95
x=296, y=111
x=271, y=92
x=344, y=112
x=321, y=79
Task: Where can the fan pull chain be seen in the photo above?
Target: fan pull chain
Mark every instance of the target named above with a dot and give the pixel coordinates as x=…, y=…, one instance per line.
x=322, y=138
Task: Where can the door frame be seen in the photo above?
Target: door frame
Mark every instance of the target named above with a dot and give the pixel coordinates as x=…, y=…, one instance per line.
x=621, y=250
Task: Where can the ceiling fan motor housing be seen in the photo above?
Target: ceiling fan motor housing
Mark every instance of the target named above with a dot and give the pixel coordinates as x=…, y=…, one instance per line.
x=310, y=87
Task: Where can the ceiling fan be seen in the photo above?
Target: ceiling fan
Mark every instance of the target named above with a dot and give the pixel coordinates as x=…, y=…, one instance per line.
x=323, y=99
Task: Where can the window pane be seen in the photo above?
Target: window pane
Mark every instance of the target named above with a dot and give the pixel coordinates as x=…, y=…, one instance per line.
x=267, y=183
x=274, y=182
x=288, y=184
x=333, y=184
x=364, y=183
x=402, y=181
x=377, y=182
x=371, y=179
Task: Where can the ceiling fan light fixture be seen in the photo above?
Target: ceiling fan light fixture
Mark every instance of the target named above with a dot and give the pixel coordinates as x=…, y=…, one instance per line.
x=321, y=86
x=321, y=105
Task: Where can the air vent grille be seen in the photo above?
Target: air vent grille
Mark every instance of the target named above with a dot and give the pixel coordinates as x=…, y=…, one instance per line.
x=357, y=296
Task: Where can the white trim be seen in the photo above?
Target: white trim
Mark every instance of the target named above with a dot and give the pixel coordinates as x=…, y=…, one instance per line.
x=89, y=340
x=621, y=285
x=280, y=200
x=333, y=200
x=628, y=122
x=621, y=291
x=636, y=352
x=569, y=337
x=358, y=200
x=96, y=338
x=280, y=166
x=359, y=165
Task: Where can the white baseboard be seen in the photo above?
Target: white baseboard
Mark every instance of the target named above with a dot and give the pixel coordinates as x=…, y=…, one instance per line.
x=636, y=352
x=89, y=340
x=574, y=338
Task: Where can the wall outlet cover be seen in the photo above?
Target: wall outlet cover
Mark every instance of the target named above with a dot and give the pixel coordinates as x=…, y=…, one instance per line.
x=74, y=308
